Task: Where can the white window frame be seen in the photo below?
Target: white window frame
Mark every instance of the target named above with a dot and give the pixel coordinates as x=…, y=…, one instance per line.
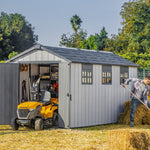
x=124, y=74
x=87, y=74
x=106, y=74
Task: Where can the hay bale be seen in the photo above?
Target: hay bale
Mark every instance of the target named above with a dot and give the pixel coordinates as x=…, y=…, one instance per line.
x=149, y=96
x=121, y=118
x=128, y=139
x=127, y=106
x=140, y=113
x=124, y=117
x=146, y=118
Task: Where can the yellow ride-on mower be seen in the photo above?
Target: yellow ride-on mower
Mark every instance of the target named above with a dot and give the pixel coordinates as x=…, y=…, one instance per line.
x=37, y=115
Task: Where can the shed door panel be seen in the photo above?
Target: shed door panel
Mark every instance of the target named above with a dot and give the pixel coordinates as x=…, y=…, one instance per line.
x=63, y=95
x=9, y=77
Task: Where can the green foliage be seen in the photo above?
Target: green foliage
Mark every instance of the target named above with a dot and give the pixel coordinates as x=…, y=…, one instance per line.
x=15, y=34
x=76, y=23
x=74, y=40
x=95, y=42
x=12, y=54
x=79, y=38
x=133, y=41
x=2, y=61
x=90, y=43
x=140, y=59
x=136, y=25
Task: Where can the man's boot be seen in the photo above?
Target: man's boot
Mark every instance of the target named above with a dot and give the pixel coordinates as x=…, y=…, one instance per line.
x=131, y=124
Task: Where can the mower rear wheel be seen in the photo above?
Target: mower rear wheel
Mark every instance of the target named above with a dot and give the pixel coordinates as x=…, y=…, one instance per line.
x=14, y=124
x=39, y=124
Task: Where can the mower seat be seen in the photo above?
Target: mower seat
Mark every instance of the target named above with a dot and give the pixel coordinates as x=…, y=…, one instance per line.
x=45, y=98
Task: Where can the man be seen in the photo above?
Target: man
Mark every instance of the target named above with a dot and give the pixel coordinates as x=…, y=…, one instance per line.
x=141, y=89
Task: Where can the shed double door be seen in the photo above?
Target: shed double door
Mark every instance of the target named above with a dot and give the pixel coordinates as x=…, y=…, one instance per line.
x=64, y=95
x=9, y=86
x=9, y=93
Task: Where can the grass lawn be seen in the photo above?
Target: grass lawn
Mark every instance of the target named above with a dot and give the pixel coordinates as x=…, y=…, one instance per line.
x=81, y=138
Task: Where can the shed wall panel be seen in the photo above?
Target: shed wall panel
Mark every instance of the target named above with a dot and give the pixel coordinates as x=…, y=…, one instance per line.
x=9, y=83
x=97, y=104
x=63, y=95
x=39, y=55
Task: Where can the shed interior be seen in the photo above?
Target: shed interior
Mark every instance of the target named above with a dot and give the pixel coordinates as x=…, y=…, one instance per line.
x=37, y=78
x=39, y=83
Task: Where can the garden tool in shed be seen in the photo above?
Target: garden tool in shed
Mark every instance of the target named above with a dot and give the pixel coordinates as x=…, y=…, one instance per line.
x=24, y=91
x=137, y=97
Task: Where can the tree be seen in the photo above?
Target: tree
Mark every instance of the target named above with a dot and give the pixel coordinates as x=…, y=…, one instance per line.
x=13, y=54
x=136, y=25
x=95, y=42
x=133, y=41
x=16, y=34
x=76, y=23
x=79, y=38
x=74, y=40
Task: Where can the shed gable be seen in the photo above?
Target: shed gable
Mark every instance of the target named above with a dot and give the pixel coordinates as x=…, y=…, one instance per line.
x=39, y=55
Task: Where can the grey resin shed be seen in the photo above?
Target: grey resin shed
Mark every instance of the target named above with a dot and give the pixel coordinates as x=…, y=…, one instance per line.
x=90, y=91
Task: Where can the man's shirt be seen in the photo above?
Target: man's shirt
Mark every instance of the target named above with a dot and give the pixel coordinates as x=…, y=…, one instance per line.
x=138, y=88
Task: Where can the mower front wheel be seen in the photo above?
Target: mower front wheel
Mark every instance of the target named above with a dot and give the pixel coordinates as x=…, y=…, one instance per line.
x=39, y=124
x=14, y=124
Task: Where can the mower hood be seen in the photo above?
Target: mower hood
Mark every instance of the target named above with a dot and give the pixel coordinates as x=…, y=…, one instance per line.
x=29, y=105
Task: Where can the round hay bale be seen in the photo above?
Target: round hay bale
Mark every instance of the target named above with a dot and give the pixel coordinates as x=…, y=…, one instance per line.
x=128, y=139
x=139, y=140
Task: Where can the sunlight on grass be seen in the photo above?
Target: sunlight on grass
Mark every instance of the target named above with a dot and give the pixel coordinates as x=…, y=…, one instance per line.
x=81, y=138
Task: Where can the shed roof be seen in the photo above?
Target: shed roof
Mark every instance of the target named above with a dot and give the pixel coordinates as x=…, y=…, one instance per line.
x=82, y=56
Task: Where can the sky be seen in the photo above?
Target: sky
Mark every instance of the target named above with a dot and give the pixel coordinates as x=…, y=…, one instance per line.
x=51, y=18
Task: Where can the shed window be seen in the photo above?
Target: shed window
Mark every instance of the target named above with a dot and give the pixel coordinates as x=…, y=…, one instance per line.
x=87, y=74
x=124, y=74
x=106, y=74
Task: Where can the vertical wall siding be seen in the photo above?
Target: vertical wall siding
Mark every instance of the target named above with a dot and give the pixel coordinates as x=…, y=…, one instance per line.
x=39, y=55
x=97, y=104
x=63, y=95
x=9, y=78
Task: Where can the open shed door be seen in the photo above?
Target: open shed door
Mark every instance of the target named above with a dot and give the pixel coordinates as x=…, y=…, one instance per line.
x=9, y=85
x=64, y=93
